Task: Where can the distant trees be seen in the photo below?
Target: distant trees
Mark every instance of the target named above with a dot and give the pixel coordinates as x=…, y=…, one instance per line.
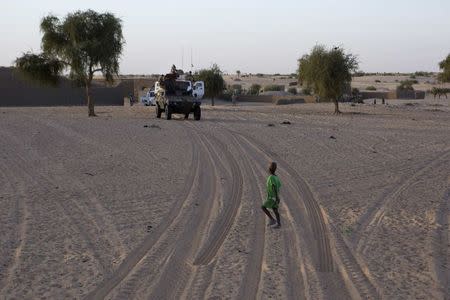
x=214, y=82
x=444, y=65
x=83, y=43
x=238, y=73
x=254, y=89
x=406, y=85
x=328, y=72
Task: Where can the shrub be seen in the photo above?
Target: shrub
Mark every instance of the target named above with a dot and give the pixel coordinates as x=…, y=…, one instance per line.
x=355, y=91
x=371, y=88
x=277, y=74
x=254, y=89
x=273, y=88
x=236, y=89
x=259, y=75
x=307, y=91
x=292, y=90
x=377, y=81
x=237, y=79
x=293, y=83
x=406, y=85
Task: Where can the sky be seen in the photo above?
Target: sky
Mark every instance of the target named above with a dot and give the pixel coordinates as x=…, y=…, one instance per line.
x=248, y=35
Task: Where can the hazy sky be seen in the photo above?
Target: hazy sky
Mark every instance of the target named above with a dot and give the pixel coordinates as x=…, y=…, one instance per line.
x=251, y=36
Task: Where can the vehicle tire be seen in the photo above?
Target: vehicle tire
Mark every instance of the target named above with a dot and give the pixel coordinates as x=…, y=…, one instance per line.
x=197, y=113
x=158, y=111
x=168, y=112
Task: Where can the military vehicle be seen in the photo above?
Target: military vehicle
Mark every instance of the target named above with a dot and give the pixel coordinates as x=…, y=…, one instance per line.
x=175, y=96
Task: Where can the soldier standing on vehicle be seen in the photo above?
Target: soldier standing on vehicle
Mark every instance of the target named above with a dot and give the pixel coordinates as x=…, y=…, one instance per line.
x=273, y=199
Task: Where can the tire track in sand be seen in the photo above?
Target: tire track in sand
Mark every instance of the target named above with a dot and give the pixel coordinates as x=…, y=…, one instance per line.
x=373, y=217
x=222, y=228
x=296, y=269
x=355, y=275
x=179, y=272
x=135, y=256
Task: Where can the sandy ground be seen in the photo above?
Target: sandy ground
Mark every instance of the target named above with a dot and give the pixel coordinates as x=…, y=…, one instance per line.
x=127, y=206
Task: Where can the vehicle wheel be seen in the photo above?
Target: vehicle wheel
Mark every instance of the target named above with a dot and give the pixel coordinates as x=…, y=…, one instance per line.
x=158, y=111
x=168, y=113
x=197, y=113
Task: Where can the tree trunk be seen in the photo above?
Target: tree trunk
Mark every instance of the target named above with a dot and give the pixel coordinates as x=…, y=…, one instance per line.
x=212, y=101
x=90, y=101
x=336, y=107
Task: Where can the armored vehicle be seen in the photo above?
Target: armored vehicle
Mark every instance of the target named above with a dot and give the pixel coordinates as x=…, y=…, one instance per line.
x=174, y=96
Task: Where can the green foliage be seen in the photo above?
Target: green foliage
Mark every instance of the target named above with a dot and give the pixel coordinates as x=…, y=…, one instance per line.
x=406, y=85
x=328, y=72
x=273, y=88
x=444, y=65
x=435, y=91
x=307, y=91
x=355, y=91
x=423, y=74
x=83, y=43
x=214, y=83
x=413, y=76
x=254, y=89
x=292, y=90
x=40, y=67
x=371, y=88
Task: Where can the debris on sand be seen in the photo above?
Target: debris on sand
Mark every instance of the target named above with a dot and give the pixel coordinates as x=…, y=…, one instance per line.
x=332, y=137
x=149, y=228
x=152, y=126
x=286, y=123
x=271, y=125
x=90, y=174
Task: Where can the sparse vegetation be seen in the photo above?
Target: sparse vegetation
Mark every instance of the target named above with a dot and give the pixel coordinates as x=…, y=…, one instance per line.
x=329, y=72
x=83, y=43
x=377, y=81
x=406, y=85
x=371, y=88
x=254, y=89
x=259, y=75
x=293, y=90
x=435, y=91
x=273, y=88
x=293, y=83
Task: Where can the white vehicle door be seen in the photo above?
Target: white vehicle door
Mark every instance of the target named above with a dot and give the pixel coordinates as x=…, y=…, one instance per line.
x=199, y=89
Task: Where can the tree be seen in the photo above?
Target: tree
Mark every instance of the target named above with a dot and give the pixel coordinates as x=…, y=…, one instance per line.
x=328, y=72
x=255, y=89
x=214, y=83
x=445, y=67
x=83, y=43
x=238, y=73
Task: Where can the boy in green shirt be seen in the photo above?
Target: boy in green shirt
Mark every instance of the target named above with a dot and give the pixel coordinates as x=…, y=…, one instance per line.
x=273, y=199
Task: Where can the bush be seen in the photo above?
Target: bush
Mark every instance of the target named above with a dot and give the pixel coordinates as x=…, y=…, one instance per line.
x=259, y=75
x=235, y=89
x=237, y=79
x=293, y=83
x=254, y=89
x=277, y=74
x=371, y=88
x=273, y=88
x=307, y=91
x=412, y=76
x=406, y=85
x=355, y=91
x=377, y=81
x=292, y=90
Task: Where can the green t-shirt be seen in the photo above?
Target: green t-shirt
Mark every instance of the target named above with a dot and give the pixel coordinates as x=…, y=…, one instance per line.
x=273, y=181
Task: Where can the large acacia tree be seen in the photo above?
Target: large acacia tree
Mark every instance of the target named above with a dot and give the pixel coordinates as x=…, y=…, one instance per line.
x=214, y=83
x=444, y=65
x=82, y=44
x=328, y=72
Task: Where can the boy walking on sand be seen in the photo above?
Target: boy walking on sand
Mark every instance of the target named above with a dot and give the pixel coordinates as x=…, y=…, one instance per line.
x=273, y=200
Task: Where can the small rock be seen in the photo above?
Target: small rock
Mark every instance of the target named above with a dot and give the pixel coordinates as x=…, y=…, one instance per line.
x=149, y=227
x=90, y=174
x=332, y=137
x=286, y=123
x=271, y=125
x=145, y=126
